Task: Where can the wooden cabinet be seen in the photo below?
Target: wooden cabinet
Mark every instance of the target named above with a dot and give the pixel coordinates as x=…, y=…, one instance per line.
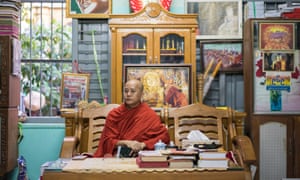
x=151, y=36
x=9, y=101
x=272, y=95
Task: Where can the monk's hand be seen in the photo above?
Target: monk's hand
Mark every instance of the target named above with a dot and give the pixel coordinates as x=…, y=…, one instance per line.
x=135, y=145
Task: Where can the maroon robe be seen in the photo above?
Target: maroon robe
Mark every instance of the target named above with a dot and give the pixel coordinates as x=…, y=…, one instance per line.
x=140, y=123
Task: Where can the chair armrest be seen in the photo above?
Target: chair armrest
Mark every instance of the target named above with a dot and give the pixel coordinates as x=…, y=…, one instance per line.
x=243, y=145
x=68, y=148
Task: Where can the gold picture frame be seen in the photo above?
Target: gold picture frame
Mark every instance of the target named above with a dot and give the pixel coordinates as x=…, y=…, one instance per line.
x=88, y=9
x=277, y=36
x=164, y=84
x=74, y=87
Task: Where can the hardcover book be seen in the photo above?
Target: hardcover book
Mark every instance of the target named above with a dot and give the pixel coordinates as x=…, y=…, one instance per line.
x=222, y=164
x=181, y=163
x=212, y=155
x=152, y=156
x=151, y=164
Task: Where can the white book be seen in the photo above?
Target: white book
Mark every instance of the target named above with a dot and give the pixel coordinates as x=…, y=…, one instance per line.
x=212, y=155
x=213, y=163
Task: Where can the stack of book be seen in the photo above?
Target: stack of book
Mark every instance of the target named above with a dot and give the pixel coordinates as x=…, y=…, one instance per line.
x=152, y=159
x=10, y=18
x=182, y=159
x=213, y=160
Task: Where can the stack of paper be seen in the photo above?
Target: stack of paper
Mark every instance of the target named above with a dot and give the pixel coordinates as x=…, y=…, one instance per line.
x=255, y=9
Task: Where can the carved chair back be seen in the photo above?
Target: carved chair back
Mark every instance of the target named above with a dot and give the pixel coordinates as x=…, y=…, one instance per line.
x=96, y=121
x=211, y=121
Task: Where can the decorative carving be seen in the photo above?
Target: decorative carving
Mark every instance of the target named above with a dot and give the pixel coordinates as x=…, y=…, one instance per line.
x=153, y=10
x=137, y=5
x=153, y=13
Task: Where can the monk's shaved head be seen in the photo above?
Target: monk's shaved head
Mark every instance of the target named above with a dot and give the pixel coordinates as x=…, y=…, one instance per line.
x=133, y=92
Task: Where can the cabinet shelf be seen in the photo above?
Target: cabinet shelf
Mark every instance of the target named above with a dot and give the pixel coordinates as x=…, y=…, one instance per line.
x=172, y=54
x=134, y=54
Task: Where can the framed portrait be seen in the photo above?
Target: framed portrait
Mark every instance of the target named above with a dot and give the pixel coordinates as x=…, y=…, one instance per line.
x=88, y=8
x=217, y=19
x=74, y=88
x=276, y=36
x=164, y=84
x=230, y=53
x=282, y=61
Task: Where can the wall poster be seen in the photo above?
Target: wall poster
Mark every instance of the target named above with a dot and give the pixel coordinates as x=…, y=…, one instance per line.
x=277, y=82
x=276, y=36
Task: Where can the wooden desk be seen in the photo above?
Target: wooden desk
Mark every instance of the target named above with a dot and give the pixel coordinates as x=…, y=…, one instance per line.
x=126, y=169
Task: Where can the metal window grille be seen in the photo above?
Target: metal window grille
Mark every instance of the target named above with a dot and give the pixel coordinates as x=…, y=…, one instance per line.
x=46, y=38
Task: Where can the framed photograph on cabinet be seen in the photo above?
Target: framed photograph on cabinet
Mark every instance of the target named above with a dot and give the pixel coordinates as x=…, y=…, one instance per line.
x=218, y=19
x=276, y=36
x=228, y=52
x=88, y=8
x=74, y=88
x=164, y=84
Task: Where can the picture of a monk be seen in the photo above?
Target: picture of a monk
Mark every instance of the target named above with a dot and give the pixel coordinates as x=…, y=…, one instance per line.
x=175, y=97
x=89, y=6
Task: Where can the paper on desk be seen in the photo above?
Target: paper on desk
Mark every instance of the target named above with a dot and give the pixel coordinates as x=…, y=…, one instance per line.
x=197, y=135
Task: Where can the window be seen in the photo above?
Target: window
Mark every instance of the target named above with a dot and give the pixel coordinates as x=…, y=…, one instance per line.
x=46, y=38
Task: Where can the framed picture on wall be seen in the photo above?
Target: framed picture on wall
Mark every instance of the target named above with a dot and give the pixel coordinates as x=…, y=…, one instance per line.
x=88, y=8
x=218, y=19
x=276, y=36
x=164, y=84
x=228, y=52
x=74, y=88
x=282, y=61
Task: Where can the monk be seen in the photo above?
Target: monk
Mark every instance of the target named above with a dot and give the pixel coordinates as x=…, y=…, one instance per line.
x=134, y=124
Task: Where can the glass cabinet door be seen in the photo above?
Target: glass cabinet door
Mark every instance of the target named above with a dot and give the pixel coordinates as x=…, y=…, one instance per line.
x=134, y=49
x=172, y=49
x=172, y=46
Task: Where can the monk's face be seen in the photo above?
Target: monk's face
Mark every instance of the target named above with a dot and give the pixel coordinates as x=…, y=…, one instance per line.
x=133, y=93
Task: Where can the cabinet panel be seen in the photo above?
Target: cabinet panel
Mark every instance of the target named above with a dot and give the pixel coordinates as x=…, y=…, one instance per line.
x=9, y=101
x=172, y=45
x=146, y=38
x=9, y=136
x=134, y=46
x=9, y=84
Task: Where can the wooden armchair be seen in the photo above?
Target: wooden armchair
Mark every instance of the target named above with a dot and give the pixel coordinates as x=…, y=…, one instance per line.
x=91, y=117
x=96, y=121
x=198, y=117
